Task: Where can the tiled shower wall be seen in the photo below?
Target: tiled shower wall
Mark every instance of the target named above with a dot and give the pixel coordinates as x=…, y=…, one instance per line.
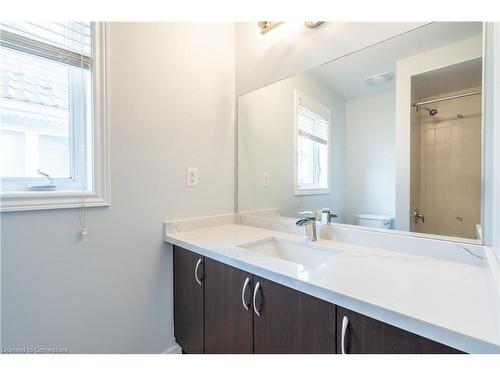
x=450, y=167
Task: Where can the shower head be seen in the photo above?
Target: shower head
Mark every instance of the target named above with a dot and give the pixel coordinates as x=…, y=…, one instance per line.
x=432, y=111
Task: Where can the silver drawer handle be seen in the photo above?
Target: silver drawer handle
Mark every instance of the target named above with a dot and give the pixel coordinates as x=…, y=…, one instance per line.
x=257, y=287
x=196, y=271
x=245, y=285
x=345, y=323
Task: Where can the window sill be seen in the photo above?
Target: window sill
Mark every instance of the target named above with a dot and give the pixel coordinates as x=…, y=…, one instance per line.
x=47, y=200
x=312, y=191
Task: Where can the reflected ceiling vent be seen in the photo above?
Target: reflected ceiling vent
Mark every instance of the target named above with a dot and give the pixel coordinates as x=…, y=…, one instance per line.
x=378, y=79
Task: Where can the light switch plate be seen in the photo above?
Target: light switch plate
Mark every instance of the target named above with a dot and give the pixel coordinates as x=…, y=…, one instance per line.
x=191, y=176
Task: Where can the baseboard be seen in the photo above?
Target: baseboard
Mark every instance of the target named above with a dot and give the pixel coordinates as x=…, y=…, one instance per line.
x=174, y=349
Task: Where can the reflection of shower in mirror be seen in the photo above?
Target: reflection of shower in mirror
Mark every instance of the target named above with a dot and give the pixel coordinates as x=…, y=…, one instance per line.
x=432, y=111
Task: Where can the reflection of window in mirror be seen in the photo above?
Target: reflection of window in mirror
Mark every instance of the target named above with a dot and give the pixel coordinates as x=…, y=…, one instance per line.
x=312, y=146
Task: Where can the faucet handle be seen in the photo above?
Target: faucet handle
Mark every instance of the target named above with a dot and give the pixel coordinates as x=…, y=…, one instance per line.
x=329, y=212
x=327, y=215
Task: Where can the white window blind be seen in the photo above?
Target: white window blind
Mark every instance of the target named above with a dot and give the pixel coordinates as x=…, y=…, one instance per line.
x=312, y=146
x=312, y=126
x=65, y=42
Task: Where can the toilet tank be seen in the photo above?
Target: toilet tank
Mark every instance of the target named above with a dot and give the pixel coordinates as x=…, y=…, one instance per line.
x=372, y=220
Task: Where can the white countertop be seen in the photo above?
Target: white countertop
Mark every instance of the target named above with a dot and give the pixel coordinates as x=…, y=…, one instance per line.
x=451, y=302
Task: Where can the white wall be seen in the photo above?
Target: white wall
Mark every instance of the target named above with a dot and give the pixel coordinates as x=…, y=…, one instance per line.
x=451, y=54
x=291, y=48
x=370, y=156
x=266, y=144
x=171, y=106
x=491, y=137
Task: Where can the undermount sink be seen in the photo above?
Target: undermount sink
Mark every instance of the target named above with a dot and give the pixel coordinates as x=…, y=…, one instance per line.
x=299, y=253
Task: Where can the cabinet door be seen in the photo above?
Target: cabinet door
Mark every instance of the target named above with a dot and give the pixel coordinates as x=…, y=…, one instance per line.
x=188, y=300
x=364, y=335
x=228, y=309
x=288, y=321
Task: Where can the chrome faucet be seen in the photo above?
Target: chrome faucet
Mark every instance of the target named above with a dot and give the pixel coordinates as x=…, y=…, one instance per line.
x=309, y=222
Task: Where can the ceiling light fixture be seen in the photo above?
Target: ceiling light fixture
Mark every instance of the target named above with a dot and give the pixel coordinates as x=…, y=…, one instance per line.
x=313, y=24
x=266, y=26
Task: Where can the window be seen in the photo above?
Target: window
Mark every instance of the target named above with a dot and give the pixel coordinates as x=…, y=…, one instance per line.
x=52, y=115
x=312, y=146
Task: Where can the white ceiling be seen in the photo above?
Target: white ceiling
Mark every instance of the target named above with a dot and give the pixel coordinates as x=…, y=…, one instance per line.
x=346, y=75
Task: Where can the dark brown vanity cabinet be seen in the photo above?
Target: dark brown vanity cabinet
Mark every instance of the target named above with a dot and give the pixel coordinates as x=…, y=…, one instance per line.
x=228, y=309
x=359, y=334
x=288, y=321
x=222, y=309
x=189, y=309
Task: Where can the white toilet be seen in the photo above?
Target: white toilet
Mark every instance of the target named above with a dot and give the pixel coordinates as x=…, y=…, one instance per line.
x=372, y=220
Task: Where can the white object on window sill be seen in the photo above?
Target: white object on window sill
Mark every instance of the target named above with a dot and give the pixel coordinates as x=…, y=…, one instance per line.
x=49, y=185
x=42, y=187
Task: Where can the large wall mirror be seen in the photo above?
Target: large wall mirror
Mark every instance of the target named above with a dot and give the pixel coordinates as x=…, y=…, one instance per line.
x=388, y=138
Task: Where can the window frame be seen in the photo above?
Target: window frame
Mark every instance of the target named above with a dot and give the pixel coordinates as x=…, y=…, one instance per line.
x=98, y=193
x=325, y=113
